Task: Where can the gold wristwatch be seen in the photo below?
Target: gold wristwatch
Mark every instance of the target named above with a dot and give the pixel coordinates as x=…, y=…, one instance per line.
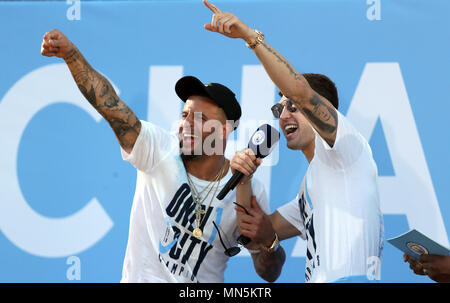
x=259, y=39
x=274, y=246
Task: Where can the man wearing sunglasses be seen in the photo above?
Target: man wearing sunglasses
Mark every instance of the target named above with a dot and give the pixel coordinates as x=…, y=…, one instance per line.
x=337, y=208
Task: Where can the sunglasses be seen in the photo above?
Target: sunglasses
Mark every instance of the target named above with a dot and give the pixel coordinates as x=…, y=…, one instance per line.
x=277, y=109
x=231, y=251
x=242, y=240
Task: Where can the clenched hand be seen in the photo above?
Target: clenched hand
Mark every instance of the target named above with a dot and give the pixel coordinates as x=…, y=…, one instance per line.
x=56, y=44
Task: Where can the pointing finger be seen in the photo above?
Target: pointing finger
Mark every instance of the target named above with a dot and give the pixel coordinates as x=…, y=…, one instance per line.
x=212, y=7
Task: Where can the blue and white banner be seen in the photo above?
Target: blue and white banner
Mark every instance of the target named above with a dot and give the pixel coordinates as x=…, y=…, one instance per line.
x=66, y=194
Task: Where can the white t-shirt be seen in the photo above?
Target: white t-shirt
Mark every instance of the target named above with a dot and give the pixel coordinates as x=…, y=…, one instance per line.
x=161, y=247
x=337, y=209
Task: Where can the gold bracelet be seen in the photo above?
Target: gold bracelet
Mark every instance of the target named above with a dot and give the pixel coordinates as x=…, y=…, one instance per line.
x=274, y=247
x=259, y=40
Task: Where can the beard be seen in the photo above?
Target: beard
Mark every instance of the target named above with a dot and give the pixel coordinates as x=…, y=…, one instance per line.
x=187, y=158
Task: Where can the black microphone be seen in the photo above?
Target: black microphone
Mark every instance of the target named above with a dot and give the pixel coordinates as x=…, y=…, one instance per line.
x=262, y=142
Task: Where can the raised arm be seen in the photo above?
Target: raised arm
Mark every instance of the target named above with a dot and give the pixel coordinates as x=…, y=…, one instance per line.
x=95, y=88
x=318, y=110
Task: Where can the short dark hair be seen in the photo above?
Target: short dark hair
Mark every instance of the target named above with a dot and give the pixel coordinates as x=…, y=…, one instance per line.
x=322, y=85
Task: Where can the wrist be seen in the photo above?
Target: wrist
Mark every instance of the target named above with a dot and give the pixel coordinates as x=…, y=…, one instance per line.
x=250, y=36
x=256, y=39
x=271, y=246
x=70, y=53
x=246, y=181
x=269, y=241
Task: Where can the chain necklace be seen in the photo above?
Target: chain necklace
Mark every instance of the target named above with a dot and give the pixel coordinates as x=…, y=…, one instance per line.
x=198, y=207
x=198, y=194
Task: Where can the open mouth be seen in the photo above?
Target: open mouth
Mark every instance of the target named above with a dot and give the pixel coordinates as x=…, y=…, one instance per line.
x=189, y=140
x=290, y=128
x=188, y=136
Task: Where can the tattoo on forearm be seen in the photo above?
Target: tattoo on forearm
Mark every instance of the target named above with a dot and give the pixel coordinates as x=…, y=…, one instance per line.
x=89, y=95
x=101, y=95
x=71, y=57
x=319, y=113
x=111, y=102
x=322, y=115
x=280, y=59
x=104, y=88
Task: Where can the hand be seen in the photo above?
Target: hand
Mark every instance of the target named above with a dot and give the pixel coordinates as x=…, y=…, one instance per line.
x=246, y=162
x=256, y=225
x=414, y=265
x=436, y=267
x=228, y=24
x=56, y=44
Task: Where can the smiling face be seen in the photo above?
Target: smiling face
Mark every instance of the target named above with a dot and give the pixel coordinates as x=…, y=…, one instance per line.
x=202, y=128
x=296, y=128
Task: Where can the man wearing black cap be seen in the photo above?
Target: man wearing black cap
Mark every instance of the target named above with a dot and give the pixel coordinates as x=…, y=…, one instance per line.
x=179, y=231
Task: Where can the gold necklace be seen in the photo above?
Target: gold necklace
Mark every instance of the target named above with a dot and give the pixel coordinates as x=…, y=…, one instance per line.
x=198, y=207
x=195, y=191
x=197, y=231
x=194, y=188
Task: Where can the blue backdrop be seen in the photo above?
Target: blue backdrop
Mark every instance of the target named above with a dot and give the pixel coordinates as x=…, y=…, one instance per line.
x=64, y=189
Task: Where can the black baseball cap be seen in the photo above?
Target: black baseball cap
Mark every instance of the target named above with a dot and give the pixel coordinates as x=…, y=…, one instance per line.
x=220, y=94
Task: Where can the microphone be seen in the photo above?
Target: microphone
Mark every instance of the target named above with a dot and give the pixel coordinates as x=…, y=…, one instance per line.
x=262, y=142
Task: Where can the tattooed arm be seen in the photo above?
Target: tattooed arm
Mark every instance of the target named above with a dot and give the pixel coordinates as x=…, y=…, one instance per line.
x=95, y=88
x=318, y=110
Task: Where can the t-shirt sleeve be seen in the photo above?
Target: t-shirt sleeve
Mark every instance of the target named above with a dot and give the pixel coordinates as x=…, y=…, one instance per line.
x=348, y=146
x=150, y=148
x=291, y=212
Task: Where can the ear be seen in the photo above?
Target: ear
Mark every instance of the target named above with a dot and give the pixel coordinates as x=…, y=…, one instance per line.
x=227, y=129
